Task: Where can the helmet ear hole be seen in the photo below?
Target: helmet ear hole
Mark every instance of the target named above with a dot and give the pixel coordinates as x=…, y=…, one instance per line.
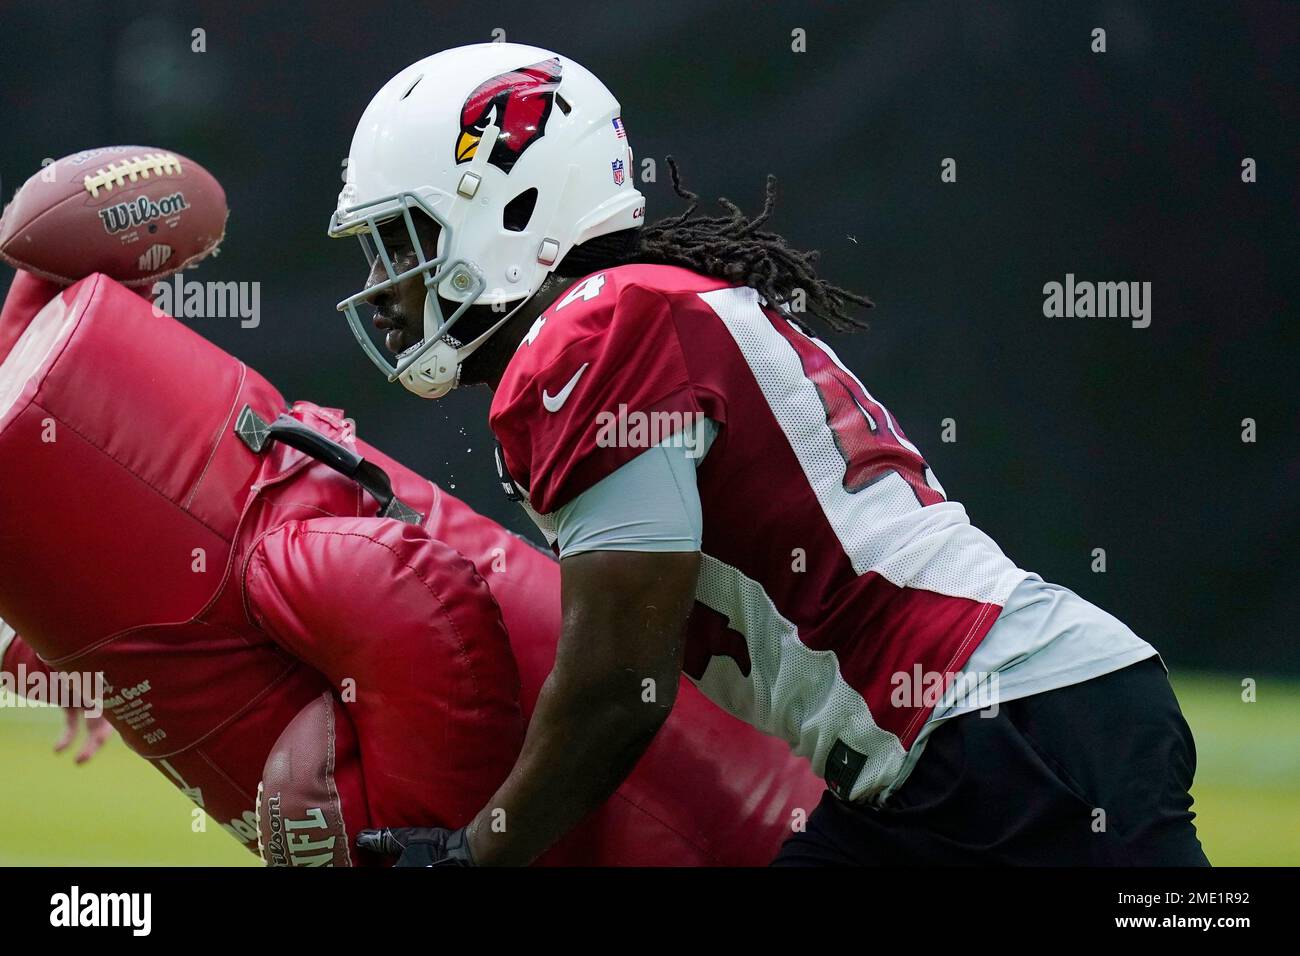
x=519, y=210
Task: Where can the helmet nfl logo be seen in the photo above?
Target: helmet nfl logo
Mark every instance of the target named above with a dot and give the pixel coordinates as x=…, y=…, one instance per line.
x=618, y=172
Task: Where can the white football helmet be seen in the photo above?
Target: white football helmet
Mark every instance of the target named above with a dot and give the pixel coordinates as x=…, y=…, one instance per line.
x=517, y=153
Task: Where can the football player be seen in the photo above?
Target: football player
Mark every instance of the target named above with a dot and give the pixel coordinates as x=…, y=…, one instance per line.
x=729, y=500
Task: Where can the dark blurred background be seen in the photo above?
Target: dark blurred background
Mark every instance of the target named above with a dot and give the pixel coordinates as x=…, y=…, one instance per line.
x=1072, y=434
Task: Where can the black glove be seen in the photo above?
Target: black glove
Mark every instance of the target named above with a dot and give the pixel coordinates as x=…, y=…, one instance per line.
x=419, y=846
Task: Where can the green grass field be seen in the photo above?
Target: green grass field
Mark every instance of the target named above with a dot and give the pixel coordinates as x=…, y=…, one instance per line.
x=116, y=810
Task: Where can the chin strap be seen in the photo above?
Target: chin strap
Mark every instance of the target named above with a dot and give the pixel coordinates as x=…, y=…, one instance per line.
x=438, y=371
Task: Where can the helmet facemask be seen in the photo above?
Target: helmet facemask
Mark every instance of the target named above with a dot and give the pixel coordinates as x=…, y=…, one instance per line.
x=461, y=277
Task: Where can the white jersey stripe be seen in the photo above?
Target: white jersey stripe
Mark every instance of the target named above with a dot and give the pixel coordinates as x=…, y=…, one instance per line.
x=882, y=528
x=792, y=691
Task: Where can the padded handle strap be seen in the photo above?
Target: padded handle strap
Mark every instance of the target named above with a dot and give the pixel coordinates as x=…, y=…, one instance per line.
x=256, y=432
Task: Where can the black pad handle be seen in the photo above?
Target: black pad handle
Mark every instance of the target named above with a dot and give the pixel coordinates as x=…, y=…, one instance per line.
x=256, y=432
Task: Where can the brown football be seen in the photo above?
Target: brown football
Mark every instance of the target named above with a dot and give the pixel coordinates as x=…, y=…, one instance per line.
x=134, y=213
x=310, y=802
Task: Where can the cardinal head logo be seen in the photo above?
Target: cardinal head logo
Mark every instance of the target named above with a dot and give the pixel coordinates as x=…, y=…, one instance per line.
x=518, y=103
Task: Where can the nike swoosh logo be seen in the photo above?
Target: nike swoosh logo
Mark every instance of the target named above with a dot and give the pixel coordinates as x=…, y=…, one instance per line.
x=554, y=403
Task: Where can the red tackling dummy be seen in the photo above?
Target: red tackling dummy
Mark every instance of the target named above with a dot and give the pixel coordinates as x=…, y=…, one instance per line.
x=249, y=611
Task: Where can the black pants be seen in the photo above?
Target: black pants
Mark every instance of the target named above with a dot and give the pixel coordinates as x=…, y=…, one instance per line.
x=1096, y=774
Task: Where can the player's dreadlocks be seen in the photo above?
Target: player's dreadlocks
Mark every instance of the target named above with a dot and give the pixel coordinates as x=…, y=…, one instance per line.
x=732, y=247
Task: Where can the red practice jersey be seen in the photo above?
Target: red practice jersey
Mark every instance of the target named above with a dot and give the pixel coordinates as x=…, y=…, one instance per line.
x=835, y=572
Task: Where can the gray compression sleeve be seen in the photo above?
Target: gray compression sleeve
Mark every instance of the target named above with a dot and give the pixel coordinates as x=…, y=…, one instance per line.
x=649, y=504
